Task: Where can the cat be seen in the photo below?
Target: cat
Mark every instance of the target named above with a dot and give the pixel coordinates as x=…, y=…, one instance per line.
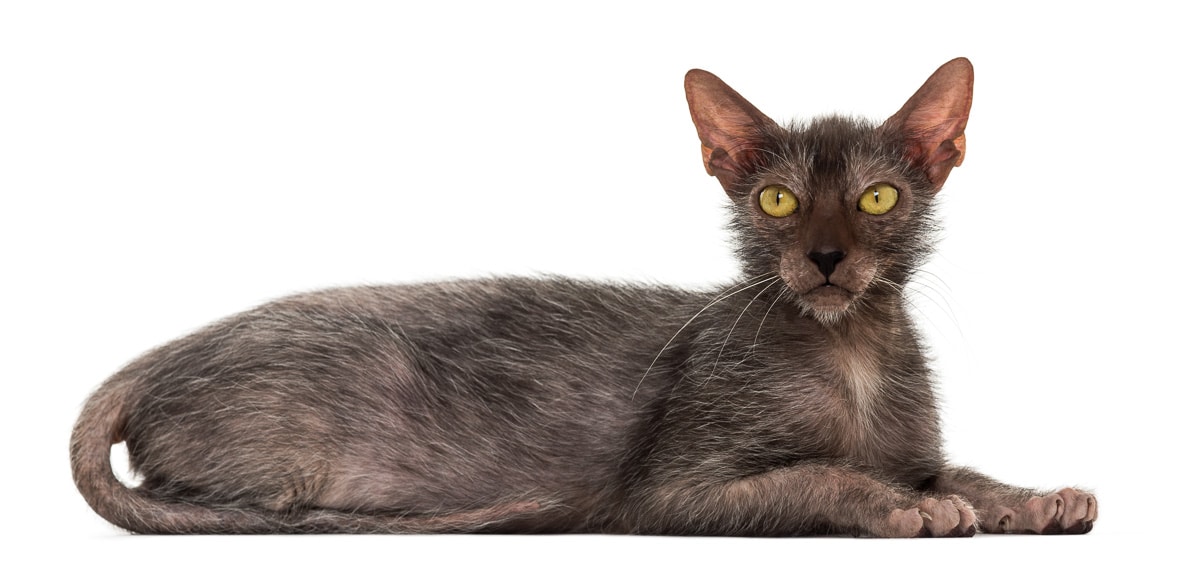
x=797, y=401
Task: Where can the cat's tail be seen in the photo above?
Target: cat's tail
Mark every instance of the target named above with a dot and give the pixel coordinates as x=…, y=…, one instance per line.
x=102, y=424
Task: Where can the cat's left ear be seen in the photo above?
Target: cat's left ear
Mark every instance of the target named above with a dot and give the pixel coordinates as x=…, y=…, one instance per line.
x=933, y=122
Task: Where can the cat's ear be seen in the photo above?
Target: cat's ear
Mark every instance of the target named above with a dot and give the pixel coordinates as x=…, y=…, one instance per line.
x=934, y=120
x=731, y=130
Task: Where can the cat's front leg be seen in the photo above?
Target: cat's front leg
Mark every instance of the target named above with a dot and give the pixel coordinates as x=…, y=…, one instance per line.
x=801, y=500
x=1008, y=509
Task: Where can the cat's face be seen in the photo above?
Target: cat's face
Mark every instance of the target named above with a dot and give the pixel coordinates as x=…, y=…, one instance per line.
x=838, y=208
x=836, y=211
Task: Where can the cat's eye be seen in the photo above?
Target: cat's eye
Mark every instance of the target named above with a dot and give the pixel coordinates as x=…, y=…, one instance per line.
x=777, y=201
x=878, y=199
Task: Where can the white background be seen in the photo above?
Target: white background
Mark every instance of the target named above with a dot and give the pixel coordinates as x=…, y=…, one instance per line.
x=162, y=166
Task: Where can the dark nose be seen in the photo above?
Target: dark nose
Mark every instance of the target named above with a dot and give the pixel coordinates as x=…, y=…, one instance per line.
x=826, y=260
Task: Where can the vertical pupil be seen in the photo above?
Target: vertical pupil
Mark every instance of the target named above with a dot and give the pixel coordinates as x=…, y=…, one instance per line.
x=876, y=196
x=778, y=197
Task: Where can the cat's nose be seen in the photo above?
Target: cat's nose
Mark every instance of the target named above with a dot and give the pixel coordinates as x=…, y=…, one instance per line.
x=826, y=260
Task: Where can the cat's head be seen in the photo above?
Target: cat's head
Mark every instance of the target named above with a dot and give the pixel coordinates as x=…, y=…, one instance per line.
x=839, y=208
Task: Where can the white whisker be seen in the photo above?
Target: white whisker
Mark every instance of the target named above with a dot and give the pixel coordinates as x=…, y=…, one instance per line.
x=783, y=292
x=721, y=351
x=727, y=293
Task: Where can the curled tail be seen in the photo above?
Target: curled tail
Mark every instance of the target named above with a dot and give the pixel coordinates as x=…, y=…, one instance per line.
x=102, y=424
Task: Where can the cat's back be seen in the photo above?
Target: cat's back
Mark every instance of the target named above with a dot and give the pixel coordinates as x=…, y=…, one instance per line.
x=498, y=325
x=465, y=324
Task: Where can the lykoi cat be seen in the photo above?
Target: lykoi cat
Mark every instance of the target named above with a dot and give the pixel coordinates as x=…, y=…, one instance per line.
x=795, y=401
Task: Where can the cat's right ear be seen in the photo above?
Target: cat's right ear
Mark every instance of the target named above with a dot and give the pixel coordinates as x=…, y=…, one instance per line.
x=731, y=130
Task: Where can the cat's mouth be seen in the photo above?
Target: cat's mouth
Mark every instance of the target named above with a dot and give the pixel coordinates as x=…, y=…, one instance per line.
x=828, y=298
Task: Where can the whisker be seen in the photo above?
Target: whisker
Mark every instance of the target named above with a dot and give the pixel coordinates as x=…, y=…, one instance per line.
x=725, y=294
x=943, y=303
x=928, y=293
x=782, y=293
x=721, y=351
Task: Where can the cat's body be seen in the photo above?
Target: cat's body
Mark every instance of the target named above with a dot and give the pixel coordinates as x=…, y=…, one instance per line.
x=795, y=401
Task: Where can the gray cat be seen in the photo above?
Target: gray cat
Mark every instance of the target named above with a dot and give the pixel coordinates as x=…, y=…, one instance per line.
x=796, y=401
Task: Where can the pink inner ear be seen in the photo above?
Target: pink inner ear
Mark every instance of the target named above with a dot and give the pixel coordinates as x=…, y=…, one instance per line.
x=945, y=150
x=727, y=146
x=934, y=120
x=729, y=127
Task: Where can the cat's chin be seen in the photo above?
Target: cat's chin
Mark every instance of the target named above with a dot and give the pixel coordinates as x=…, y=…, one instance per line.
x=827, y=303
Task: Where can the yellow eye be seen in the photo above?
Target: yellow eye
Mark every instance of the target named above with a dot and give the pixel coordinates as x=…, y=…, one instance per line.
x=777, y=201
x=878, y=199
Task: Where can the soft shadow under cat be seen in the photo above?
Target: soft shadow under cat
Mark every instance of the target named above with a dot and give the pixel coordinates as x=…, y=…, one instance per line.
x=796, y=401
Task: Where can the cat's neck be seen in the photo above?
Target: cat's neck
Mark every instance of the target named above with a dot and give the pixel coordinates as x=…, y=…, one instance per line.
x=860, y=351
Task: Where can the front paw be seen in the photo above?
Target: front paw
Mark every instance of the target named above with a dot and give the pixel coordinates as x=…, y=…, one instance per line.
x=1067, y=511
x=948, y=517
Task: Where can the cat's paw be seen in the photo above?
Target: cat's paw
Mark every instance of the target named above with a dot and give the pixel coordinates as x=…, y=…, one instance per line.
x=1067, y=511
x=951, y=516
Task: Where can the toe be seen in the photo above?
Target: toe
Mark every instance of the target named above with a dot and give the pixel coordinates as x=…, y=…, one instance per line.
x=943, y=517
x=903, y=523
x=1079, y=511
x=966, y=518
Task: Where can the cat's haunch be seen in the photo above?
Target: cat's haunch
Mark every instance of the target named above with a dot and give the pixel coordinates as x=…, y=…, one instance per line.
x=796, y=400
